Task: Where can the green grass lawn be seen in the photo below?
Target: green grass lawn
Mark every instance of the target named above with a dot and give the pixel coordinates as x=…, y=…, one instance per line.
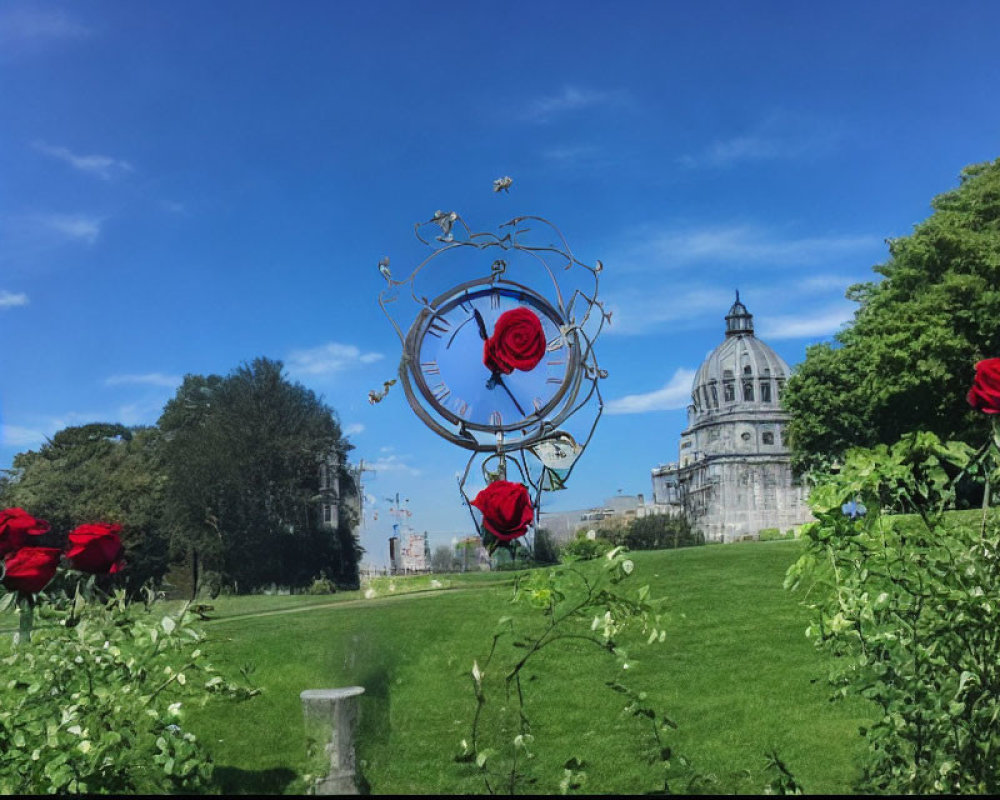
x=736, y=673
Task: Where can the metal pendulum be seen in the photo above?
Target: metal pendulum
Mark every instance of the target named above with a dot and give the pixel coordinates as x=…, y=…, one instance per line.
x=501, y=458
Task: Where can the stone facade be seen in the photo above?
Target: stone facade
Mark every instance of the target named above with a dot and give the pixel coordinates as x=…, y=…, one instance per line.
x=733, y=476
x=338, y=490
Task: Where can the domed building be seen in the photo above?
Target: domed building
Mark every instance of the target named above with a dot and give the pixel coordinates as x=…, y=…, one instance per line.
x=733, y=476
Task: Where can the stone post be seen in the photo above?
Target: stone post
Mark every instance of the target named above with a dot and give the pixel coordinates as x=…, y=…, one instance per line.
x=331, y=720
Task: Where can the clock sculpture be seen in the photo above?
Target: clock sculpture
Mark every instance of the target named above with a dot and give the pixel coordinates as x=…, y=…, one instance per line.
x=502, y=365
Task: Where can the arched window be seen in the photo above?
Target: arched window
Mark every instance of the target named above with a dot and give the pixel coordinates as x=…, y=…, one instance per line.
x=729, y=391
x=765, y=391
x=715, y=396
x=748, y=391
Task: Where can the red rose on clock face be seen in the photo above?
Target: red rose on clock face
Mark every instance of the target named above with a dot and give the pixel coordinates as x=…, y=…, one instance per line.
x=506, y=508
x=518, y=342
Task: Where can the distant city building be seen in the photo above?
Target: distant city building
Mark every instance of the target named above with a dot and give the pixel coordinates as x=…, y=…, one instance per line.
x=564, y=525
x=409, y=552
x=733, y=476
x=470, y=554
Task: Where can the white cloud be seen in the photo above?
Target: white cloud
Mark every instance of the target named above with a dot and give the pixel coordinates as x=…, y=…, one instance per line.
x=570, y=154
x=32, y=26
x=745, y=244
x=779, y=136
x=72, y=226
x=328, y=358
x=804, y=326
x=571, y=98
x=10, y=299
x=104, y=167
x=149, y=379
x=393, y=463
x=662, y=305
x=639, y=310
x=354, y=429
x=20, y=436
x=676, y=393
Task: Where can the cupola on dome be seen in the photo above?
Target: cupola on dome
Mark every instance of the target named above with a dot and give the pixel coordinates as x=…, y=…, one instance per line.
x=740, y=374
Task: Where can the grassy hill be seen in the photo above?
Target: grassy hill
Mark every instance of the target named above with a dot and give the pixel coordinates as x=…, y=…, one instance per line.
x=735, y=673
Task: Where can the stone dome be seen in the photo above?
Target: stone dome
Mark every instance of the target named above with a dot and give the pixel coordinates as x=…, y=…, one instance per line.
x=741, y=374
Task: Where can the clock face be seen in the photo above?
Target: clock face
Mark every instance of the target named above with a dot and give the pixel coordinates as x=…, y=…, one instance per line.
x=459, y=395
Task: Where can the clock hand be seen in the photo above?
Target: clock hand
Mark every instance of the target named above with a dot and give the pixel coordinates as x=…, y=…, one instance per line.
x=452, y=337
x=496, y=380
x=482, y=325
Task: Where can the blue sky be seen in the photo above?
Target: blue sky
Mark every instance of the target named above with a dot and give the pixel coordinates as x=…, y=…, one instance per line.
x=185, y=186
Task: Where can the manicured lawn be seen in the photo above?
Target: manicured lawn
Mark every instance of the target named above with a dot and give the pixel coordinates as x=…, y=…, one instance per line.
x=736, y=673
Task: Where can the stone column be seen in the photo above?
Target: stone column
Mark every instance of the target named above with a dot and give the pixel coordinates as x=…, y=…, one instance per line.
x=331, y=720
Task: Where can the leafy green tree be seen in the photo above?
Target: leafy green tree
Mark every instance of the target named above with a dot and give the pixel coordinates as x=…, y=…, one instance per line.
x=907, y=360
x=660, y=531
x=102, y=472
x=243, y=456
x=545, y=549
x=442, y=559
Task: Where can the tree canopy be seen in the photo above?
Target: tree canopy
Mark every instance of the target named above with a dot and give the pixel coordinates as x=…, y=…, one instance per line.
x=232, y=484
x=243, y=458
x=102, y=472
x=907, y=360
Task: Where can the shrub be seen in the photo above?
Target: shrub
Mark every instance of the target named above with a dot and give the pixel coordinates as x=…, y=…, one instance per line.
x=322, y=585
x=908, y=607
x=95, y=702
x=546, y=549
x=583, y=548
x=660, y=531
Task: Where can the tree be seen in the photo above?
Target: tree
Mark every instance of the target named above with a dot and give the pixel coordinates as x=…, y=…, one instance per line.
x=660, y=531
x=442, y=559
x=99, y=472
x=907, y=360
x=243, y=456
x=545, y=549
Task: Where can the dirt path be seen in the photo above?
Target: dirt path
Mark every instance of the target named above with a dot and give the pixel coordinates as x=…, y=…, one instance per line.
x=344, y=603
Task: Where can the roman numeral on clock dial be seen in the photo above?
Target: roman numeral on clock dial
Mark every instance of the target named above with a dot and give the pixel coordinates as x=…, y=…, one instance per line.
x=441, y=392
x=438, y=326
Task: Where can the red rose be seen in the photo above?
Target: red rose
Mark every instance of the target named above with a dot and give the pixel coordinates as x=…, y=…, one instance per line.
x=31, y=568
x=506, y=509
x=16, y=525
x=95, y=548
x=985, y=392
x=518, y=342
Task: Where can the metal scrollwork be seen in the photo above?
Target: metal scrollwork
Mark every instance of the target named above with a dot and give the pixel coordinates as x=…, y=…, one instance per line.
x=534, y=252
